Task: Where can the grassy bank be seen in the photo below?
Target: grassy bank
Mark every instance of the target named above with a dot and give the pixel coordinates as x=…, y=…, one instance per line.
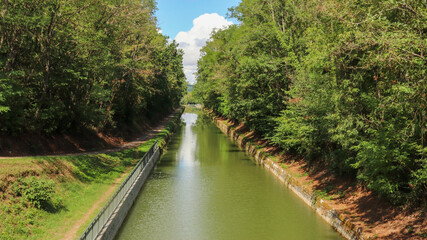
x=44, y=197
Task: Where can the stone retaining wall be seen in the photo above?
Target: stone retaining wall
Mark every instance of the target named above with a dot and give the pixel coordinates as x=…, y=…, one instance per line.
x=341, y=224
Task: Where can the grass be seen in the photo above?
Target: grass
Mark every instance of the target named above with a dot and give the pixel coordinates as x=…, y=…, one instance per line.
x=80, y=198
x=322, y=194
x=284, y=166
x=79, y=183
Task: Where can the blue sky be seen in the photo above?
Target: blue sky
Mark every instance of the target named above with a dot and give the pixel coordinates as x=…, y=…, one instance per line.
x=174, y=16
x=190, y=22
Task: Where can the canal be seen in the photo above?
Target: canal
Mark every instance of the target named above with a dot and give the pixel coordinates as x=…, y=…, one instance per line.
x=204, y=187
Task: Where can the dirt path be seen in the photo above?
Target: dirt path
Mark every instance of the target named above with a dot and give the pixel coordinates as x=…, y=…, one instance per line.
x=143, y=138
x=71, y=234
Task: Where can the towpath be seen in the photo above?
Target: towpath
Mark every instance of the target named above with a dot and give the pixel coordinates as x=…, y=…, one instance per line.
x=147, y=135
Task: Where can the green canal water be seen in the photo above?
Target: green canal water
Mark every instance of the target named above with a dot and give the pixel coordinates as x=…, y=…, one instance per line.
x=204, y=187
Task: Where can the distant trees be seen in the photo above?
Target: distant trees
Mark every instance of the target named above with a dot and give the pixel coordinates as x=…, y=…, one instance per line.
x=68, y=65
x=342, y=82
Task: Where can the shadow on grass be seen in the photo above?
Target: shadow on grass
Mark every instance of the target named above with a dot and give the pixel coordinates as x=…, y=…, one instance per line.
x=55, y=206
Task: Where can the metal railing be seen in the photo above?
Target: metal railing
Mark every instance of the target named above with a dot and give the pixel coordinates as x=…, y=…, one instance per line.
x=102, y=217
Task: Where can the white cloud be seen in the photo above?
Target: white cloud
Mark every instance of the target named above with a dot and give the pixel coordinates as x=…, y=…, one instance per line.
x=192, y=41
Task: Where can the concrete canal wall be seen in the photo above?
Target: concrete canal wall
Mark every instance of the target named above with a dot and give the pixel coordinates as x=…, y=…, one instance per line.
x=344, y=226
x=115, y=222
x=112, y=226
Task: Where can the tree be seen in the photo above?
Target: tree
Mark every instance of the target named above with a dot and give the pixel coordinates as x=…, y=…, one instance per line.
x=338, y=82
x=70, y=65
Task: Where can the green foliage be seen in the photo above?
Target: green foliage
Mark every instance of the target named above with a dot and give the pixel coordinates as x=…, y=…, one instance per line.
x=189, y=98
x=36, y=191
x=341, y=82
x=73, y=65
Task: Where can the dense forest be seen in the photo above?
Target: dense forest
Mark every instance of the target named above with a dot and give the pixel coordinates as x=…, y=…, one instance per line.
x=342, y=83
x=72, y=65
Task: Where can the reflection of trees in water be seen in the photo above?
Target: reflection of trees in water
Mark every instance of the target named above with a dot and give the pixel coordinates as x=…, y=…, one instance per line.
x=181, y=123
x=157, y=175
x=202, y=121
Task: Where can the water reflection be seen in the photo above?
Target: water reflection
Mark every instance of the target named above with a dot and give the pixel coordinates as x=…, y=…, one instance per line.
x=188, y=147
x=206, y=188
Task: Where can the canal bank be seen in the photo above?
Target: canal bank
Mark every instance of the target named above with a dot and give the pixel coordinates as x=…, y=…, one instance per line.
x=205, y=187
x=341, y=224
x=109, y=220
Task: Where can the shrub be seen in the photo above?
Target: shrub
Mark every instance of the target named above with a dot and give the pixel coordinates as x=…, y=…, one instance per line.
x=36, y=191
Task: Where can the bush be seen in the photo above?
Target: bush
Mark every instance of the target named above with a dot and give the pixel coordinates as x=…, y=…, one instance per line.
x=38, y=192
